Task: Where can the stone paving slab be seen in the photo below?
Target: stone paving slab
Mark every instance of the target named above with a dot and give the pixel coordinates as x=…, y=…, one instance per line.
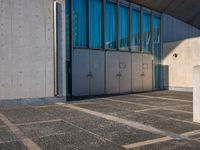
x=161, y=123
x=1, y=123
x=47, y=129
x=13, y=146
x=196, y=137
x=81, y=141
x=6, y=135
x=26, y=114
x=184, y=108
x=171, y=94
x=117, y=105
x=171, y=145
x=151, y=101
x=123, y=135
x=171, y=114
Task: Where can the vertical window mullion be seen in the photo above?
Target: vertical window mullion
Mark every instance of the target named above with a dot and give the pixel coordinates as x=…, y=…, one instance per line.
x=88, y=24
x=141, y=29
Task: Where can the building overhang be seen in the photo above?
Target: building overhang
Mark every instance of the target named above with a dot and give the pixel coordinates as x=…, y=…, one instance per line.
x=185, y=10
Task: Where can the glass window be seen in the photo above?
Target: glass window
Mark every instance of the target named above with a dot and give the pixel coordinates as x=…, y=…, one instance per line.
x=111, y=38
x=96, y=23
x=157, y=37
x=80, y=23
x=135, y=35
x=146, y=32
x=157, y=50
x=124, y=27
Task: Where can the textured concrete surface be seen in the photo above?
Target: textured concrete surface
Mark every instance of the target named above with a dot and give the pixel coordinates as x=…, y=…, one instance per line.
x=53, y=126
x=26, y=41
x=179, y=70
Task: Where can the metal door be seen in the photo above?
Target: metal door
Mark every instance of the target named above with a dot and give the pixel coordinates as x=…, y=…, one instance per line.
x=97, y=72
x=147, y=67
x=80, y=72
x=137, y=72
x=125, y=72
x=112, y=72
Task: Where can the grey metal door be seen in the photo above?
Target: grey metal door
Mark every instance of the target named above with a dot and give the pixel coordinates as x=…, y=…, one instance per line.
x=137, y=72
x=147, y=66
x=125, y=72
x=97, y=72
x=80, y=72
x=112, y=72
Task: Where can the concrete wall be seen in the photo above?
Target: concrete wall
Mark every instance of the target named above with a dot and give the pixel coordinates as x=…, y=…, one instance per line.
x=61, y=34
x=26, y=53
x=183, y=40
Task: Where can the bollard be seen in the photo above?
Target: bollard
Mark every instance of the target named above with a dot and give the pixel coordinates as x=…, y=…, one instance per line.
x=196, y=94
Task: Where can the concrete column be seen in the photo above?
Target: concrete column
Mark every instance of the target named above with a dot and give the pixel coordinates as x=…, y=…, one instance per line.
x=196, y=94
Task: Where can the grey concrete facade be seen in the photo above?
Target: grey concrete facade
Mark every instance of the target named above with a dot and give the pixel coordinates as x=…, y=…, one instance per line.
x=26, y=54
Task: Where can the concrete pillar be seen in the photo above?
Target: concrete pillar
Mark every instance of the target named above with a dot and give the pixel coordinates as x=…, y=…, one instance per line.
x=196, y=94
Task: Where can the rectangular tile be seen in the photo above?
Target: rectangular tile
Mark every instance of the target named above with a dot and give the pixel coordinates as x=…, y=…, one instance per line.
x=26, y=114
x=6, y=135
x=171, y=145
x=151, y=101
x=13, y=146
x=171, y=114
x=71, y=141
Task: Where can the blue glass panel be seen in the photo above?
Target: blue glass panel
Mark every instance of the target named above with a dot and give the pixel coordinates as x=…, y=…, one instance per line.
x=157, y=50
x=111, y=38
x=80, y=23
x=146, y=32
x=135, y=35
x=156, y=37
x=124, y=27
x=96, y=23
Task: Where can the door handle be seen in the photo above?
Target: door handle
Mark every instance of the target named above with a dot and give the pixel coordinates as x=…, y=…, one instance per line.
x=142, y=74
x=89, y=75
x=119, y=74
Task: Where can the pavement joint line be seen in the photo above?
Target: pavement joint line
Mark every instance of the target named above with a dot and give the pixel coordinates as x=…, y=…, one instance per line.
x=156, y=107
x=3, y=126
x=158, y=140
x=19, y=134
x=43, y=106
x=3, y=142
x=133, y=124
x=148, y=109
x=38, y=122
x=162, y=98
